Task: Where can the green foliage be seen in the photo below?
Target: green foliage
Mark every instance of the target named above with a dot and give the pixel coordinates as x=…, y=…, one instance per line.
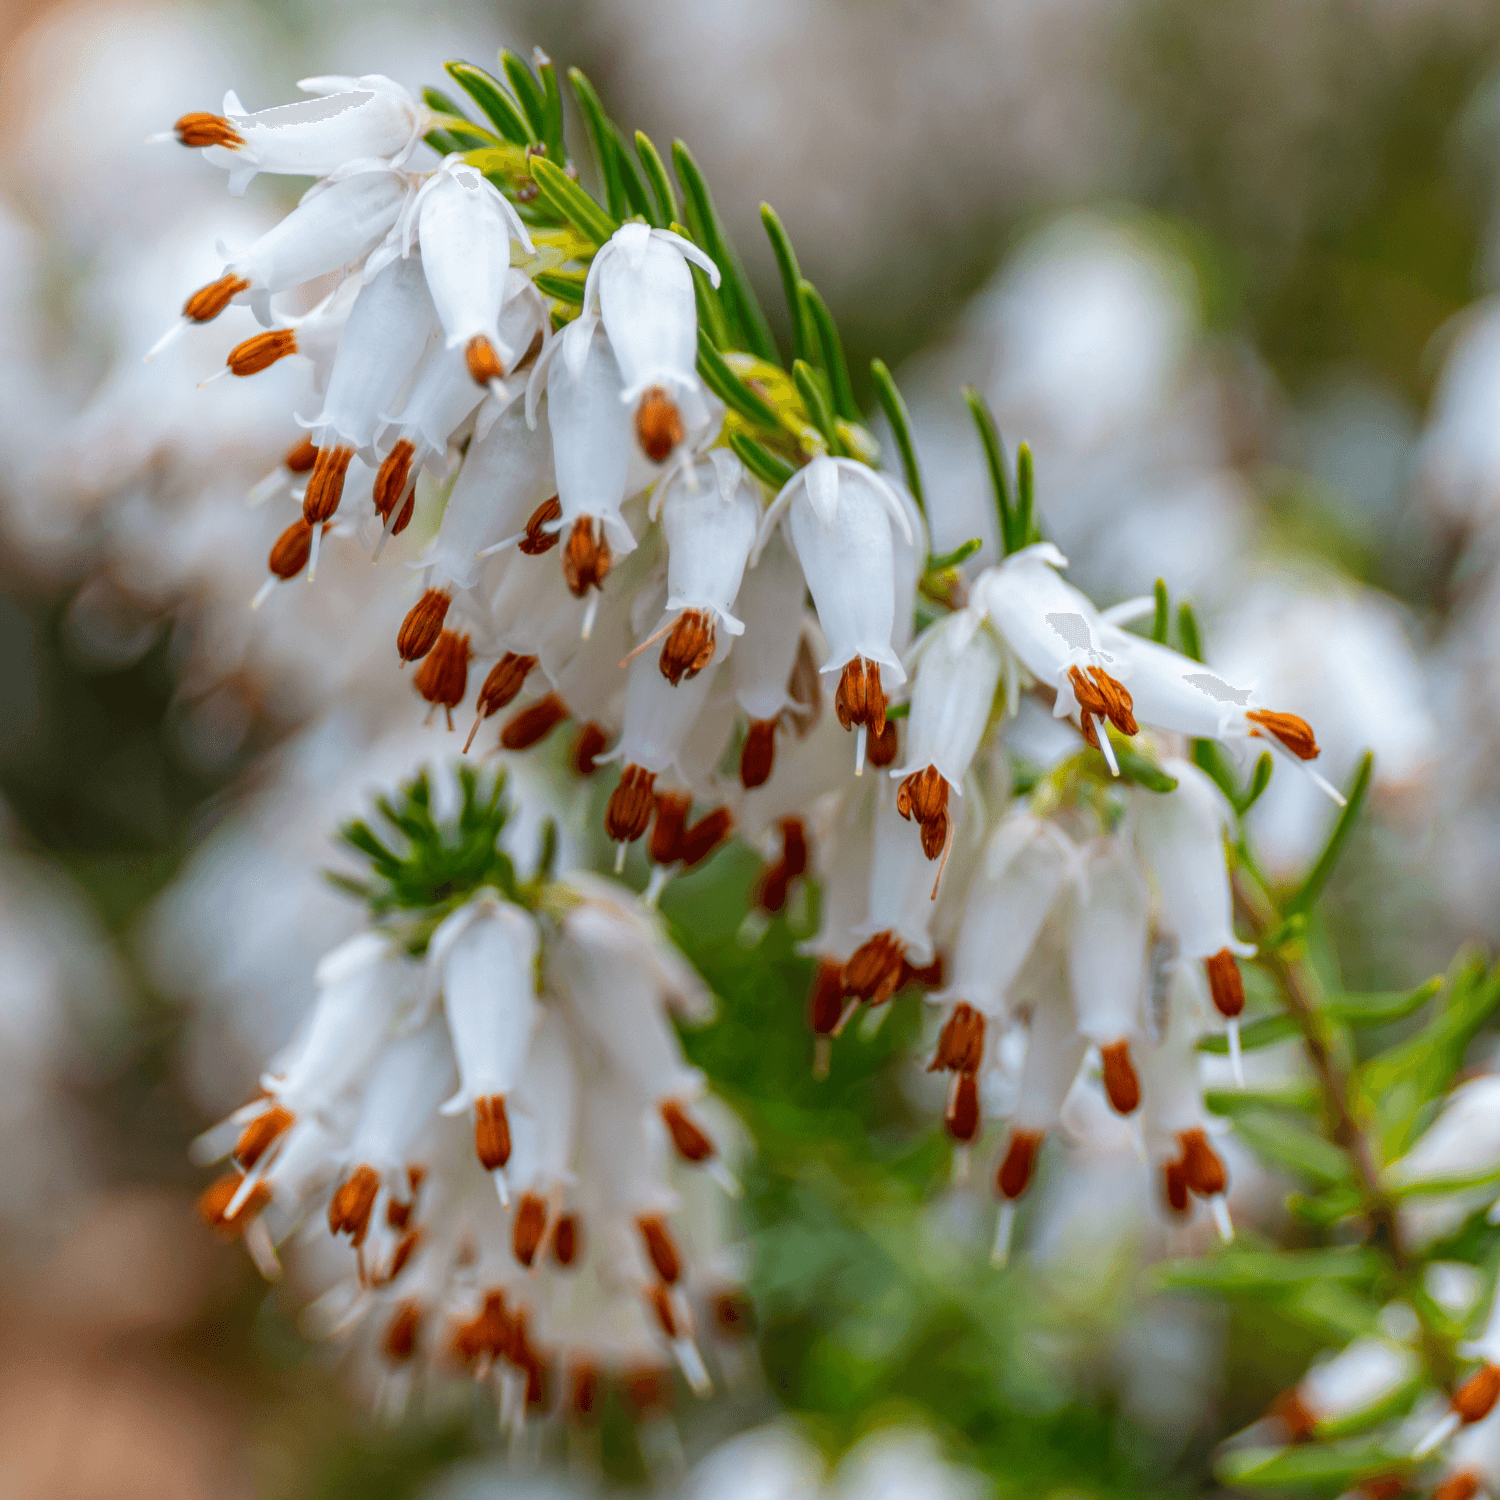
x=896, y=414
x=422, y=868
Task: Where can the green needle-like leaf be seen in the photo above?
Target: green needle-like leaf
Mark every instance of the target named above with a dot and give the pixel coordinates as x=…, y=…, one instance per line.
x=765, y=465
x=552, y=135
x=497, y=105
x=1260, y=779
x=1187, y=626
x=1379, y=1009
x=1317, y=877
x=791, y=281
x=571, y=201
x=831, y=352
x=730, y=389
x=636, y=196
x=960, y=554
x=897, y=415
x=1025, y=498
x=528, y=91
x=994, y=457
x=1162, y=618
x=806, y=381
x=1263, y=1032
x=565, y=286
x=661, y=183
x=598, y=128
x=740, y=302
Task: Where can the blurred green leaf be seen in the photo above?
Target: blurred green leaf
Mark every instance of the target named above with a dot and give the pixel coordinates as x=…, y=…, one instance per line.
x=1161, y=619
x=497, y=105
x=730, y=389
x=806, y=380
x=523, y=84
x=1312, y=886
x=1327, y=1464
x=767, y=467
x=1264, y=1031
x=1237, y=1271
x=897, y=415
x=831, y=352
x=661, y=183
x=791, y=281
x=1291, y=1145
x=1379, y=1008
x=994, y=457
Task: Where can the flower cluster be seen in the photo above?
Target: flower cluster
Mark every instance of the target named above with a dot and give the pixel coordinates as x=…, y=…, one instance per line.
x=488, y=1107
x=575, y=401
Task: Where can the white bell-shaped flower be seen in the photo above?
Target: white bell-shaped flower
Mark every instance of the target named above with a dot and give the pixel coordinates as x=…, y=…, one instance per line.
x=1366, y=1375
x=617, y=999
x=1012, y=892
x=465, y=225
x=710, y=515
x=1107, y=955
x=384, y=338
x=1180, y=836
x=840, y=515
x=909, y=552
x=506, y=475
x=338, y=221
x=414, y=1075
x=770, y=604
x=590, y=431
x=959, y=661
x=1172, y=691
x=351, y=119
x=485, y=955
x=640, y=286
x=362, y=988
x=1059, y=637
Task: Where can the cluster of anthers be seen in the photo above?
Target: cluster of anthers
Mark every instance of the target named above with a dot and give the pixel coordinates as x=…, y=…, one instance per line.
x=673, y=630
x=489, y=1107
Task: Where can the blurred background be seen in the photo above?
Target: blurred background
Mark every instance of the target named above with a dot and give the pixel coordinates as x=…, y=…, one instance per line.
x=1232, y=272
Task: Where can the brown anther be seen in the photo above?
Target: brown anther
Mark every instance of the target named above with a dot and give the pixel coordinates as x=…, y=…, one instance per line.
x=260, y=1134
x=1019, y=1163
x=209, y=301
x=660, y=1301
x=488, y=1335
x=407, y=511
x=484, y=363
x=704, y=836
x=1120, y=1081
x=759, y=753
x=530, y=1225
x=825, y=1001
x=733, y=1314
x=961, y=1118
x=1201, y=1167
x=586, y=558
x=1174, y=1187
x=664, y=847
x=1462, y=1486
x=771, y=889
x=648, y=1388
x=567, y=1240
x=390, y=479
x=443, y=677
x=658, y=425
x=1382, y=1487
x=880, y=749
x=524, y=1355
x=405, y=1248
x=1101, y=696
x=213, y=1203
x=861, y=699
x=923, y=796
x=588, y=746
x=199, y=130
x=325, y=486
x=491, y=1133
x=503, y=681
x=1296, y=734
x=349, y=1208
x=423, y=624
x=960, y=1047
x=583, y=1390
x=1476, y=1397
x=290, y=551
x=1225, y=984
x=687, y=1136
x=300, y=457
x=929, y=976
x=398, y=1214
x=536, y=541
x=1294, y=1414
x=630, y=805
x=261, y=351
x=873, y=972
x=661, y=1247
x=533, y=723
x=689, y=646
x=401, y=1333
